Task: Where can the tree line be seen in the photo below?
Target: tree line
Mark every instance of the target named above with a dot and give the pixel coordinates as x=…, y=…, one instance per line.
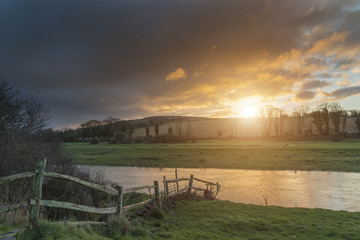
x=325, y=118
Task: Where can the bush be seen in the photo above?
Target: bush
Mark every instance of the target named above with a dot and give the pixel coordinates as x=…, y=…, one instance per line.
x=94, y=141
x=138, y=232
x=168, y=138
x=23, y=141
x=118, y=226
x=336, y=137
x=156, y=213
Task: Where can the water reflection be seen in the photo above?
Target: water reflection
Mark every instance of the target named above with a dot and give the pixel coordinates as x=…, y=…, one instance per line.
x=315, y=189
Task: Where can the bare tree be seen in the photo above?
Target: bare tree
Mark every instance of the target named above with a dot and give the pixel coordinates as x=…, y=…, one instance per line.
x=282, y=116
x=317, y=120
x=156, y=129
x=357, y=122
x=179, y=127
x=344, y=116
x=170, y=130
x=300, y=115
x=276, y=121
x=324, y=108
x=147, y=129
x=267, y=115
x=335, y=115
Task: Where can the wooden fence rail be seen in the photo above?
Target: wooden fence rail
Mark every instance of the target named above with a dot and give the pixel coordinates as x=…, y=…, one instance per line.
x=35, y=202
x=189, y=187
x=36, y=199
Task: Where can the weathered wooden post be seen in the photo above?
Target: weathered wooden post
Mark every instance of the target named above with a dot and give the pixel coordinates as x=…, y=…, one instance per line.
x=191, y=183
x=157, y=194
x=37, y=192
x=120, y=200
x=165, y=189
x=177, y=183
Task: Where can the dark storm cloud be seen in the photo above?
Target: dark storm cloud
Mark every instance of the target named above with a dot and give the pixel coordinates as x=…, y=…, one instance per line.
x=90, y=58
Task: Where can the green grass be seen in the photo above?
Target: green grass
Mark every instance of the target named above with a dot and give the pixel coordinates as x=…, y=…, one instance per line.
x=236, y=154
x=53, y=230
x=221, y=220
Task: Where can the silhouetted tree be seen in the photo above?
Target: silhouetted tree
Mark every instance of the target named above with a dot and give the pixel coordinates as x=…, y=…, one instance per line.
x=147, y=129
x=170, y=130
x=325, y=117
x=156, y=129
x=357, y=122
x=300, y=114
x=335, y=115
x=267, y=113
x=344, y=116
x=317, y=121
x=282, y=116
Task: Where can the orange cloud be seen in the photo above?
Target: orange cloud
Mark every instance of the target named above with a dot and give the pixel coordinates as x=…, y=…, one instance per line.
x=323, y=45
x=343, y=83
x=176, y=75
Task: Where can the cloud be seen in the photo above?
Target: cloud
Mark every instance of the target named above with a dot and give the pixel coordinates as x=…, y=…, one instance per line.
x=323, y=45
x=176, y=75
x=305, y=95
x=342, y=93
x=343, y=83
x=341, y=75
x=314, y=84
x=325, y=75
x=356, y=70
x=73, y=54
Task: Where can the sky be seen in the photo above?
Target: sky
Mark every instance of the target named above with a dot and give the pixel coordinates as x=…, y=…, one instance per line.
x=137, y=58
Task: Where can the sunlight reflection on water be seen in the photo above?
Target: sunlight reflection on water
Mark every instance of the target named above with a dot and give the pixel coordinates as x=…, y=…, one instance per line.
x=309, y=189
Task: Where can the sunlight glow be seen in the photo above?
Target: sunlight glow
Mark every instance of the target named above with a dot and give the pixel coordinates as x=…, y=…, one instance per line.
x=246, y=107
x=249, y=112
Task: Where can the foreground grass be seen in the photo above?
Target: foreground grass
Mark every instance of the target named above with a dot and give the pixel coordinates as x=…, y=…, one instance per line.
x=236, y=154
x=221, y=220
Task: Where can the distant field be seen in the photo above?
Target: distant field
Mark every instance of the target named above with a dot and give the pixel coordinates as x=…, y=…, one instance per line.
x=237, y=154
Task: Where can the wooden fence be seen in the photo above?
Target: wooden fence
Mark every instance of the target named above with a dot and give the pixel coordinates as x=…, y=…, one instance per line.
x=35, y=202
x=171, y=187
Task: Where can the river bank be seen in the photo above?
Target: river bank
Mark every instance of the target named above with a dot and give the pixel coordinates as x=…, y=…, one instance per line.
x=220, y=220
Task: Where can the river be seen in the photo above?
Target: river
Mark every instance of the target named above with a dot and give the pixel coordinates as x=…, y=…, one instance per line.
x=308, y=189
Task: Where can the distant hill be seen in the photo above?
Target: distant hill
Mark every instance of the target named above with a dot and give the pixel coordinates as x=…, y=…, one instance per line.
x=164, y=119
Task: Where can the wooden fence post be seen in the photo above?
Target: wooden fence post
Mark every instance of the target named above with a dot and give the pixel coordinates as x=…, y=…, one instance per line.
x=177, y=183
x=191, y=182
x=37, y=191
x=157, y=194
x=120, y=199
x=165, y=188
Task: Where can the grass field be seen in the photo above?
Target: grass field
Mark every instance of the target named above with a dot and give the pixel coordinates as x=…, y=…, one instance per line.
x=237, y=154
x=220, y=220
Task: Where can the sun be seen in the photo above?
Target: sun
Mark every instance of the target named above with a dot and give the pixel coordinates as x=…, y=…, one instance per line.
x=246, y=107
x=249, y=112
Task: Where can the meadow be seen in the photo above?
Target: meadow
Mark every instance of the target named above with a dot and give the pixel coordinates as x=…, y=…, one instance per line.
x=217, y=220
x=323, y=155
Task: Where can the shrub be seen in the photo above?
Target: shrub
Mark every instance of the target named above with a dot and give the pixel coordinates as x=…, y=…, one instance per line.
x=156, y=213
x=94, y=141
x=138, y=232
x=118, y=226
x=168, y=138
x=23, y=141
x=336, y=137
